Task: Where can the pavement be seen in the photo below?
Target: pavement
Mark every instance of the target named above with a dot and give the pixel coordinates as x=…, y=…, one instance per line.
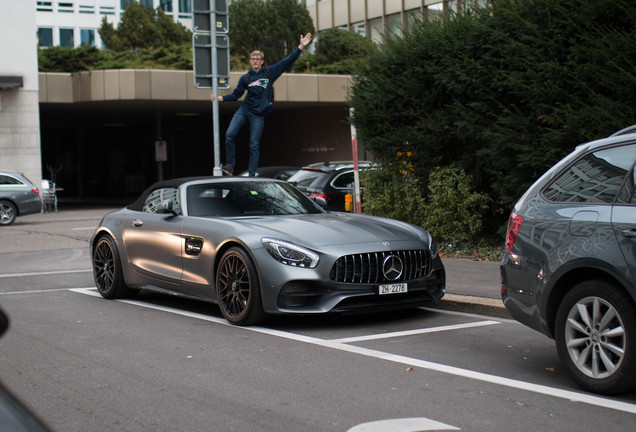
x=471, y=286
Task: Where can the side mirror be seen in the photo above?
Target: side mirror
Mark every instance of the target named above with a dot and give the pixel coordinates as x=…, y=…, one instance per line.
x=320, y=201
x=166, y=207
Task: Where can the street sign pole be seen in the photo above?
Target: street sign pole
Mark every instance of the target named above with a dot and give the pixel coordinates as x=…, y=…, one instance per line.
x=211, y=58
x=216, y=171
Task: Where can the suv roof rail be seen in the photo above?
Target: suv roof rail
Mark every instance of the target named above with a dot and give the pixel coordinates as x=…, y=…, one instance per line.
x=627, y=130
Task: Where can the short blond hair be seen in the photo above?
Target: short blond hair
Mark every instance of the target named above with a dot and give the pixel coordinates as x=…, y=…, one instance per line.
x=258, y=53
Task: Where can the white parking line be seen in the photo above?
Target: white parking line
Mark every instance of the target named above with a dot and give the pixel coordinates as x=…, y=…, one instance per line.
x=52, y=272
x=408, y=361
x=414, y=332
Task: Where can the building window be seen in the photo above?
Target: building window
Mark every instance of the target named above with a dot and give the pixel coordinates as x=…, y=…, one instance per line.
x=86, y=9
x=107, y=10
x=166, y=5
x=393, y=24
x=44, y=6
x=435, y=11
x=124, y=3
x=147, y=3
x=185, y=8
x=87, y=37
x=67, y=38
x=376, y=32
x=45, y=37
x=360, y=29
x=65, y=7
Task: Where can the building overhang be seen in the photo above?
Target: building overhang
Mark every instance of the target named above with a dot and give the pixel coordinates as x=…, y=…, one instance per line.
x=124, y=85
x=8, y=82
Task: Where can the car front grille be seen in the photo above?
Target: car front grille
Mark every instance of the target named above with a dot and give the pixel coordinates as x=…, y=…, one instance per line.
x=367, y=267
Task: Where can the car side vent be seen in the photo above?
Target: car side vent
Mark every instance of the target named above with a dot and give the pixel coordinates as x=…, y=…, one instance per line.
x=368, y=267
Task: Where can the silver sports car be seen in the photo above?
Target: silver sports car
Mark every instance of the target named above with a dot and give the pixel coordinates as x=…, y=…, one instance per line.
x=259, y=247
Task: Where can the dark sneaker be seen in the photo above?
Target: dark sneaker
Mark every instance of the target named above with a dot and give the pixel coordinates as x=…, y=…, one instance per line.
x=227, y=170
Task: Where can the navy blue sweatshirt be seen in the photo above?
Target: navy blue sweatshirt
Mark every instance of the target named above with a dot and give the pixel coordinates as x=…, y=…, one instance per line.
x=260, y=91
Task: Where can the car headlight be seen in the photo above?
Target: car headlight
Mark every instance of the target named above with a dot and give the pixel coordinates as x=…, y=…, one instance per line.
x=432, y=247
x=290, y=254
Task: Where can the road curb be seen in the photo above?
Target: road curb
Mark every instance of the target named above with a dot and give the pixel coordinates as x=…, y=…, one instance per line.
x=474, y=305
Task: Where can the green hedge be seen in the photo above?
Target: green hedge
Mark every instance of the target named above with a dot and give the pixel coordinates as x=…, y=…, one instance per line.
x=501, y=92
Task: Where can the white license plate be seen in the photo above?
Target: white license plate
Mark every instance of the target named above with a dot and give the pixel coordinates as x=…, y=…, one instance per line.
x=393, y=288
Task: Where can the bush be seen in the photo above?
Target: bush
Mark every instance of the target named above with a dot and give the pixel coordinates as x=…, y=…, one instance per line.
x=502, y=92
x=454, y=212
x=391, y=193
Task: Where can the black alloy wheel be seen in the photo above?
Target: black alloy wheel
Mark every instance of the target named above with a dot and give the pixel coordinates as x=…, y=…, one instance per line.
x=107, y=270
x=595, y=335
x=238, y=290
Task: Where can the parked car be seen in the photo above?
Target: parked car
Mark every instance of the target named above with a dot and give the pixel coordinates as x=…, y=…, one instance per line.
x=570, y=262
x=18, y=197
x=281, y=172
x=330, y=181
x=259, y=246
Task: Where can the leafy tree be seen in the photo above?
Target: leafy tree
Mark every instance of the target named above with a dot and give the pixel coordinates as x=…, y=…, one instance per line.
x=339, y=51
x=143, y=27
x=59, y=59
x=272, y=26
x=501, y=92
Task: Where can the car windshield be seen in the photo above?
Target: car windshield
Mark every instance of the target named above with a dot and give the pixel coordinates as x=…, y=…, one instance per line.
x=247, y=199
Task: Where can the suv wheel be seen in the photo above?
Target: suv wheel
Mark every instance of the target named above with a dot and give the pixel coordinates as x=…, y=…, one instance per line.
x=595, y=336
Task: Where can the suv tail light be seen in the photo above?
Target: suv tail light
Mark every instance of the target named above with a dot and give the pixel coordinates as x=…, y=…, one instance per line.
x=35, y=191
x=514, y=225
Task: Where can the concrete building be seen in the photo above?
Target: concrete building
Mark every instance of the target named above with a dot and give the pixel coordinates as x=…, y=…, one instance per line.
x=71, y=23
x=374, y=18
x=19, y=104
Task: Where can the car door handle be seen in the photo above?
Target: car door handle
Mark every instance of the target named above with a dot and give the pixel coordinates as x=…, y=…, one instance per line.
x=629, y=233
x=138, y=222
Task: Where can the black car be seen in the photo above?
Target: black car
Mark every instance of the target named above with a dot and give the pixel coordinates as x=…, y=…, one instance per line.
x=280, y=172
x=569, y=268
x=330, y=181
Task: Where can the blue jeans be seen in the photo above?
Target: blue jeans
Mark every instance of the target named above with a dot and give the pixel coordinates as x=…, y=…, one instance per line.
x=257, y=122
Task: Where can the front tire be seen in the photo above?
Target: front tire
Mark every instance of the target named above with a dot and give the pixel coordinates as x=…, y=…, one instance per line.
x=237, y=289
x=595, y=336
x=107, y=270
x=8, y=212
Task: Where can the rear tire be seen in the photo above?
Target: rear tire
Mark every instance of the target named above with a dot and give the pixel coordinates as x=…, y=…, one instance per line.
x=8, y=213
x=595, y=336
x=237, y=289
x=107, y=270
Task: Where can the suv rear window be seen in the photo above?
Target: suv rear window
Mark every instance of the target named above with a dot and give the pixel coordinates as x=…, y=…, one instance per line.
x=305, y=178
x=595, y=178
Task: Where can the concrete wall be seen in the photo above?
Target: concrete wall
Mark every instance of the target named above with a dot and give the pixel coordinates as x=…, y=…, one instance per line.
x=19, y=109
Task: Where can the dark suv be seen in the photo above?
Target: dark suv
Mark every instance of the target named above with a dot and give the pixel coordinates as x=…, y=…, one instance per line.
x=570, y=262
x=328, y=180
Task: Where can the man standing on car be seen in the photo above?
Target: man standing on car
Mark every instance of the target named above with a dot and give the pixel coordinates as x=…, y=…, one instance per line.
x=259, y=83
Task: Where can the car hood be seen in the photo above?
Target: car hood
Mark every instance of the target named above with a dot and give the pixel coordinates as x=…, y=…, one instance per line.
x=335, y=229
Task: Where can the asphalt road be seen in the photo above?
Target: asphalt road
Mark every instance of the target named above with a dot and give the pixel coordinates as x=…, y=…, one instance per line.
x=160, y=363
